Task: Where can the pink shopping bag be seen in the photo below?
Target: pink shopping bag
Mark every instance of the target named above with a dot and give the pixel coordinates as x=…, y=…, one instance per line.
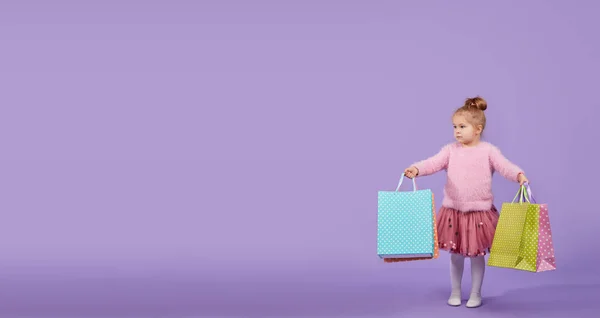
x=546, y=260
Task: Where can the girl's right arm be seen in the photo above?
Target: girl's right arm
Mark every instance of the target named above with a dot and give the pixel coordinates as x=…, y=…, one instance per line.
x=434, y=163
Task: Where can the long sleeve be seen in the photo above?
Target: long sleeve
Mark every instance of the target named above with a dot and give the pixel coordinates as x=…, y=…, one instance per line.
x=503, y=166
x=434, y=163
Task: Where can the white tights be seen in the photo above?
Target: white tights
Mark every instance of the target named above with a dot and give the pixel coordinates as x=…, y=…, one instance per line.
x=457, y=265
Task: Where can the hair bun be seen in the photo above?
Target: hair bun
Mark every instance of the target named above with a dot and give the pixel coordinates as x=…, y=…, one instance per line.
x=476, y=102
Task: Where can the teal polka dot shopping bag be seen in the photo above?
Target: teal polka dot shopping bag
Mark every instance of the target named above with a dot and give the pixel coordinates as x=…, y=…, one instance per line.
x=406, y=229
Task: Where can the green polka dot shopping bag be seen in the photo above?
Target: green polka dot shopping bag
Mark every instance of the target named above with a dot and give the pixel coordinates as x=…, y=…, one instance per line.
x=523, y=238
x=406, y=229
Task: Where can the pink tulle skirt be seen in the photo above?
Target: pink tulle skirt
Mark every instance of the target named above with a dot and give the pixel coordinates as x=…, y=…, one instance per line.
x=467, y=233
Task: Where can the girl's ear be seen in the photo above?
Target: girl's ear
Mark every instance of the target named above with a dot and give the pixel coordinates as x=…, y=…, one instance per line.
x=479, y=129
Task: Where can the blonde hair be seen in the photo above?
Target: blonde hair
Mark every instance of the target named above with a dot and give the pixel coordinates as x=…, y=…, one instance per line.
x=474, y=107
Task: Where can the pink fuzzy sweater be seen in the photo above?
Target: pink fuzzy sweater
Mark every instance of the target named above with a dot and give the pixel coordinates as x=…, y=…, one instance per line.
x=469, y=174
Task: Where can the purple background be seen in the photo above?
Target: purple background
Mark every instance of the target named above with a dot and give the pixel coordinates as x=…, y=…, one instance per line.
x=157, y=155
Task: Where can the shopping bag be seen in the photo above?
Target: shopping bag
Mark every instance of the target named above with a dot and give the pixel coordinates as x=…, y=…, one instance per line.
x=406, y=229
x=523, y=238
x=436, y=251
x=545, y=257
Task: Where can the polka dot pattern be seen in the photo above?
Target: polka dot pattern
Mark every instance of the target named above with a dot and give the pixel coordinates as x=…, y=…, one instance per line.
x=529, y=239
x=523, y=238
x=436, y=250
x=545, y=258
x=507, y=239
x=405, y=224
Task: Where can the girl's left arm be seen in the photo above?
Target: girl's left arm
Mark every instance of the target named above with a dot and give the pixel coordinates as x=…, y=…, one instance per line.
x=506, y=168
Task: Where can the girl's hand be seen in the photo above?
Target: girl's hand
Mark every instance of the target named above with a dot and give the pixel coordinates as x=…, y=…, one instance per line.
x=411, y=172
x=522, y=179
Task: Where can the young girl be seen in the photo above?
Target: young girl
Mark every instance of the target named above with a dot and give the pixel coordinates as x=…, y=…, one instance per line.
x=467, y=219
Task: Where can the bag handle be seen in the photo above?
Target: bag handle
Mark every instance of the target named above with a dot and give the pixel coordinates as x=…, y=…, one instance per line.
x=520, y=192
x=530, y=193
x=413, y=182
x=525, y=192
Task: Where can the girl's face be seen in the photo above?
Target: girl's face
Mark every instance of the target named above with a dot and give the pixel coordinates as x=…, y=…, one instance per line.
x=464, y=131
